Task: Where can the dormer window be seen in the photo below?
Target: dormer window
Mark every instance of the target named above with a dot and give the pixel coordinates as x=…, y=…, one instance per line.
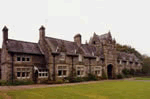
x=62, y=56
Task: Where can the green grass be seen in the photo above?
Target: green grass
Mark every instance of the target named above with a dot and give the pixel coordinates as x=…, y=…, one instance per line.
x=100, y=90
x=142, y=78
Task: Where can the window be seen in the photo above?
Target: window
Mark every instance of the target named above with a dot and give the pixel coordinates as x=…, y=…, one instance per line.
x=94, y=42
x=23, y=59
x=80, y=70
x=43, y=73
x=97, y=70
x=124, y=62
x=18, y=59
x=102, y=60
x=23, y=72
x=62, y=71
x=28, y=59
x=131, y=63
x=118, y=61
x=62, y=56
x=136, y=63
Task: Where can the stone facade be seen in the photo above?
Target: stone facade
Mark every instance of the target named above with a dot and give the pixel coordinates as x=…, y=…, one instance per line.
x=53, y=59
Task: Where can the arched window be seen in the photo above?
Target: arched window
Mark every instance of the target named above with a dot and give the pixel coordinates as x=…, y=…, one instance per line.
x=94, y=42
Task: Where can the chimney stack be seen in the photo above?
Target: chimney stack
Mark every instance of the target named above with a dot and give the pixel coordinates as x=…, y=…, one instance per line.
x=5, y=34
x=42, y=32
x=77, y=39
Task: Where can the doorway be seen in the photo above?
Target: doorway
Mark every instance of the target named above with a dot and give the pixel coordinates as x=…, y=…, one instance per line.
x=109, y=71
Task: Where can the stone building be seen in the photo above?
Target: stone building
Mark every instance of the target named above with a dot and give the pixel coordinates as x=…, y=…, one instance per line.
x=53, y=59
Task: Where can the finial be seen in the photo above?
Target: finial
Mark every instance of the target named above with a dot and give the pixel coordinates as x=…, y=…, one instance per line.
x=5, y=29
x=42, y=28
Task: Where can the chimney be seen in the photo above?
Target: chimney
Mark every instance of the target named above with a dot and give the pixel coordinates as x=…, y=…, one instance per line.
x=5, y=34
x=42, y=32
x=77, y=39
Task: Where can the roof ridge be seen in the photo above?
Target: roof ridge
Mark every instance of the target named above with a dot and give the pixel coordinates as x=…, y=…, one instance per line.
x=23, y=41
x=59, y=39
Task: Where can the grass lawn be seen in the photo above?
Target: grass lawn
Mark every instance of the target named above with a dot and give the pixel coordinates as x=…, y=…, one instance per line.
x=142, y=78
x=100, y=90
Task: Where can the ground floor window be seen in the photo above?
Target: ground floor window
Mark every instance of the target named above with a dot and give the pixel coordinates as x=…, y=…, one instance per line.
x=43, y=73
x=97, y=70
x=23, y=72
x=80, y=71
x=62, y=71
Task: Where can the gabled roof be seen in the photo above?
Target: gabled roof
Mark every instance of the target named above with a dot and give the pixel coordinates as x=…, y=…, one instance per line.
x=72, y=47
x=23, y=47
x=90, y=50
x=62, y=45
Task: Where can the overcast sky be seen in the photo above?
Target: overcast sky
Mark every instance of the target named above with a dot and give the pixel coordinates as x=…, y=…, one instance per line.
x=128, y=20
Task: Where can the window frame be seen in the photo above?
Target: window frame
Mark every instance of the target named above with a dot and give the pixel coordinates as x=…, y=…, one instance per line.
x=100, y=69
x=62, y=69
x=25, y=71
x=81, y=66
x=41, y=72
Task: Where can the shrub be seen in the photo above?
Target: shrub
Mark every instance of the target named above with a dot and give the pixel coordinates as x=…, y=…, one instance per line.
x=104, y=76
x=21, y=82
x=16, y=82
x=132, y=72
x=120, y=76
x=59, y=82
x=92, y=77
x=3, y=83
x=125, y=71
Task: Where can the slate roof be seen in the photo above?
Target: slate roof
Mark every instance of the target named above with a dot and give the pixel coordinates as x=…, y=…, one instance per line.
x=105, y=36
x=23, y=47
x=126, y=56
x=58, y=44
x=72, y=47
x=90, y=50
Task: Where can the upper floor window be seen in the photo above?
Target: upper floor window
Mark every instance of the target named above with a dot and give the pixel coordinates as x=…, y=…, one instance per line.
x=18, y=59
x=28, y=59
x=94, y=42
x=131, y=63
x=62, y=56
x=23, y=58
x=136, y=63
